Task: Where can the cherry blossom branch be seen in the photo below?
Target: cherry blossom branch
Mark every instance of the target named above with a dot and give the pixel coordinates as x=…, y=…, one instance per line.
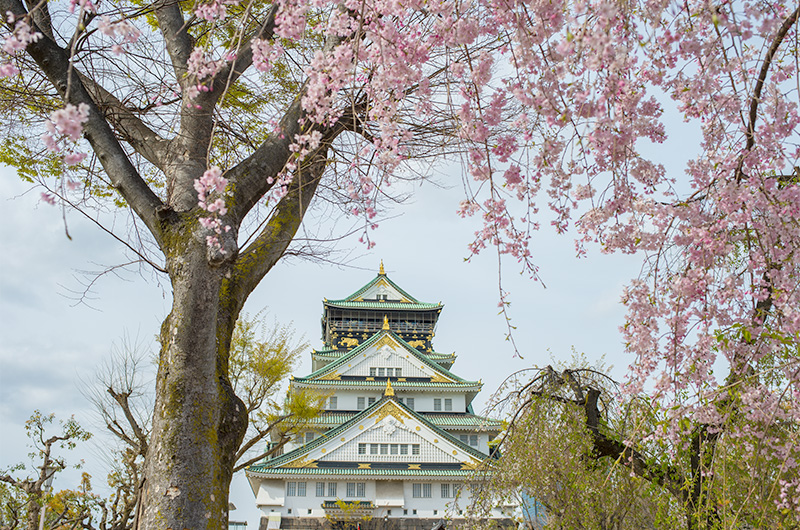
x=54, y=62
x=755, y=100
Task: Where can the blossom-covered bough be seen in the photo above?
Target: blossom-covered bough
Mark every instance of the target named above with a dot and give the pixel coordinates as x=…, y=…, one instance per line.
x=218, y=122
x=713, y=321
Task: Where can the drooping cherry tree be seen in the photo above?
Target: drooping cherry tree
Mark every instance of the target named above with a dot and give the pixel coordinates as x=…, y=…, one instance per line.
x=216, y=123
x=589, y=90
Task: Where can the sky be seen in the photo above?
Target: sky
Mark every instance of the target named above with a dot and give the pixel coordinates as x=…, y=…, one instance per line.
x=52, y=345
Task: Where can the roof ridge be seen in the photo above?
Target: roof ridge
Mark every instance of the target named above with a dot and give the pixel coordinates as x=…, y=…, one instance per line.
x=372, y=282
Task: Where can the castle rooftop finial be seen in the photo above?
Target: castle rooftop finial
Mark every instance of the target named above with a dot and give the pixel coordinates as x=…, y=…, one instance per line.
x=385, y=322
x=389, y=392
x=381, y=271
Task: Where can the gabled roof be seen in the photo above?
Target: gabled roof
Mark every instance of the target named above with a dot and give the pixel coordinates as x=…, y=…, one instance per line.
x=303, y=460
x=405, y=302
x=331, y=371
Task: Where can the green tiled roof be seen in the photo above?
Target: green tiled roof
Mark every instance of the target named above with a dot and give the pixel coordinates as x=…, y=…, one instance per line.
x=440, y=420
x=372, y=304
x=261, y=470
x=335, y=354
x=462, y=420
x=401, y=385
x=328, y=352
x=271, y=466
x=436, y=356
x=374, y=338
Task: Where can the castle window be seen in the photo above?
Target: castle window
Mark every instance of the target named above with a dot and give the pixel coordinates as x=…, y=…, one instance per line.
x=309, y=437
x=445, y=491
x=372, y=372
x=370, y=401
x=393, y=449
x=381, y=372
x=362, y=449
x=437, y=404
x=421, y=491
x=373, y=449
x=410, y=403
x=384, y=449
x=415, y=449
x=448, y=404
x=403, y=449
x=473, y=440
x=295, y=489
x=360, y=401
x=333, y=402
x=356, y=489
x=331, y=489
x=320, y=489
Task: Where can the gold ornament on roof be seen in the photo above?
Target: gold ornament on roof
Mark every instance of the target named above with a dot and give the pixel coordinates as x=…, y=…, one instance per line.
x=385, y=322
x=381, y=271
x=389, y=390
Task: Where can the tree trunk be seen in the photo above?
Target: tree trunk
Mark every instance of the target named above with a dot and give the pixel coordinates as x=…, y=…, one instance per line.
x=198, y=422
x=34, y=512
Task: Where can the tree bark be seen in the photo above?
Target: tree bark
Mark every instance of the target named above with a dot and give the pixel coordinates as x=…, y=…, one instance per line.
x=198, y=422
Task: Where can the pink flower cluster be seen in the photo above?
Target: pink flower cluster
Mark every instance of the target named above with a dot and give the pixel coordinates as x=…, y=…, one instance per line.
x=65, y=128
x=122, y=30
x=212, y=184
x=573, y=105
x=265, y=54
x=83, y=5
x=215, y=10
x=17, y=41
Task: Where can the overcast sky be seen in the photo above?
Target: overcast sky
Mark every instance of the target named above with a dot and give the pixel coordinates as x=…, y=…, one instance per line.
x=51, y=347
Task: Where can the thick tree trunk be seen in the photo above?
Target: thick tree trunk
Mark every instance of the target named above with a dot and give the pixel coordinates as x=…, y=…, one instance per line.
x=34, y=512
x=198, y=422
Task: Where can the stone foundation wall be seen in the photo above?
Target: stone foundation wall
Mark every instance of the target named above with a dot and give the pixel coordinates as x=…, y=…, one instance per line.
x=313, y=523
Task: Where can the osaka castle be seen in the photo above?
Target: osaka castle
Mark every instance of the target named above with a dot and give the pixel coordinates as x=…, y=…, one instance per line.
x=398, y=439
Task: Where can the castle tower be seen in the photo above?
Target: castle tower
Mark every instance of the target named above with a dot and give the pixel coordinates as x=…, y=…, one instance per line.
x=398, y=437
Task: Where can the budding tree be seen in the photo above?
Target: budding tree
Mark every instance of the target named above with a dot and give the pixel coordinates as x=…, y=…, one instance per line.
x=23, y=499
